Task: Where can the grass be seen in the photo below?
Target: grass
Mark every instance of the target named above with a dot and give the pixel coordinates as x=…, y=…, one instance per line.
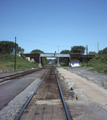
x=65, y=68
x=63, y=64
x=98, y=63
x=7, y=63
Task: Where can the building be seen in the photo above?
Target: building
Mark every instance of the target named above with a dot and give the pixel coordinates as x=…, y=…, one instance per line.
x=75, y=63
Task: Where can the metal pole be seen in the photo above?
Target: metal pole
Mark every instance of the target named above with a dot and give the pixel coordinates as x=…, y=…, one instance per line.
x=98, y=46
x=87, y=53
x=58, y=55
x=15, y=56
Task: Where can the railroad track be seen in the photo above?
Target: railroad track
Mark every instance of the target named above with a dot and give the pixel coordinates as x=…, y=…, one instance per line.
x=16, y=75
x=47, y=101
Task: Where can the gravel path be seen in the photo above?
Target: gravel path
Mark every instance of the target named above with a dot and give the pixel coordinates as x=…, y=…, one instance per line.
x=12, y=109
x=91, y=98
x=99, y=78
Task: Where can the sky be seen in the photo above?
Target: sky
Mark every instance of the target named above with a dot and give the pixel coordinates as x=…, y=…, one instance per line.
x=47, y=24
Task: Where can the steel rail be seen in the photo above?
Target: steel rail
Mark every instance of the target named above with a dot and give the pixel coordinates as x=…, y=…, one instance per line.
x=21, y=73
x=62, y=98
x=12, y=76
x=19, y=115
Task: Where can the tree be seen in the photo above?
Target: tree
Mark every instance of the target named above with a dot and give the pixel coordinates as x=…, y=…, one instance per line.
x=78, y=49
x=65, y=51
x=8, y=47
x=105, y=51
x=100, y=52
x=36, y=51
x=45, y=61
x=19, y=50
x=92, y=53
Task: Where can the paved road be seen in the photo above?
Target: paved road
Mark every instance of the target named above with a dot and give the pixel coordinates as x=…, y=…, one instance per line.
x=9, y=89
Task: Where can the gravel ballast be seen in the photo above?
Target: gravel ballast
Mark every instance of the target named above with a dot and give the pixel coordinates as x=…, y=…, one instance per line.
x=14, y=106
x=99, y=78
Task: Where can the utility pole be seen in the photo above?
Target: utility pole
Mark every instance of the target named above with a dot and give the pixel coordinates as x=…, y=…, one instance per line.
x=58, y=55
x=87, y=53
x=98, y=46
x=15, y=56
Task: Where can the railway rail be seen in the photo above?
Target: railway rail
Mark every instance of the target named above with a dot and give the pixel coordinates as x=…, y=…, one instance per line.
x=47, y=101
x=16, y=75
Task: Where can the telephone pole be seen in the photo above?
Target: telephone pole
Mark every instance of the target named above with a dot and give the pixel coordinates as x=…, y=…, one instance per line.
x=87, y=53
x=58, y=55
x=98, y=46
x=15, y=56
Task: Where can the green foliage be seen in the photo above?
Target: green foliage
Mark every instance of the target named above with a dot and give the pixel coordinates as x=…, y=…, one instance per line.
x=36, y=51
x=63, y=64
x=65, y=51
x=92, y=53
x=44, y=60
x=7, y=62
x=65, y=68
x=100, y=52
x=19, y=50
x=78, y=49
x=8, y=47
x=55, y=60
x=23, y=56
x=105, y=51
x=99, y=63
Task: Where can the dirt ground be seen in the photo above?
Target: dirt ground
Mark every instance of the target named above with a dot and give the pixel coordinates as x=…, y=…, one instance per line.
x=93, y=76
x=90, y=101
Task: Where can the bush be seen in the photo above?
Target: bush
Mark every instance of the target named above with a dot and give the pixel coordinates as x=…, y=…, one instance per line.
x=63, y=64
x=99, y=63
x=23, y=56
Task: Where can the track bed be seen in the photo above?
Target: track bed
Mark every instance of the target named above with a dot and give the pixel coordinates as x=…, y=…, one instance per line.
x=46, y=104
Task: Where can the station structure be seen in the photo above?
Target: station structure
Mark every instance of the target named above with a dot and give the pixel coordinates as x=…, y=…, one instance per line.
x=69, y=57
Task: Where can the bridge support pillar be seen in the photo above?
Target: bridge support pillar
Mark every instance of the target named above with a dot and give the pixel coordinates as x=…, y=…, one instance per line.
x=58, y=64
x=41, y=61
x=68, y=62
x=40, y=65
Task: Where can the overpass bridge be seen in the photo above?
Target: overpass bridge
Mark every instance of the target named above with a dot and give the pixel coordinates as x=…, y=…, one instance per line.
x=39, y=56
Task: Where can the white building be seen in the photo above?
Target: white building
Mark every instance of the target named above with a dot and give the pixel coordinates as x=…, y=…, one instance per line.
x=75, y=63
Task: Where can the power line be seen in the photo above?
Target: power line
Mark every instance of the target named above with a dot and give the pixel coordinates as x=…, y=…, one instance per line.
x=41, y=43
x=34, y=42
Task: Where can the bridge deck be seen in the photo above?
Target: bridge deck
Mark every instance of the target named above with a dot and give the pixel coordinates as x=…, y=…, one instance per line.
x=59, y=55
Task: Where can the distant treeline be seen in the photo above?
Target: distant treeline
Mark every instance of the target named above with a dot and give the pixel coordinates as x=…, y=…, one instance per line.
x=74, y=50
x=81, y=50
